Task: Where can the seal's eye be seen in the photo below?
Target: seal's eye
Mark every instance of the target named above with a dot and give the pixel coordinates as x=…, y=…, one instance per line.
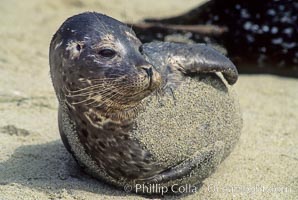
x=78, y=47
x=107, y=53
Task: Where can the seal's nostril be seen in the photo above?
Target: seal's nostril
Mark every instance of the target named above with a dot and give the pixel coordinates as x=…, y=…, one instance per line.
x=141, y=49
x=148, y=71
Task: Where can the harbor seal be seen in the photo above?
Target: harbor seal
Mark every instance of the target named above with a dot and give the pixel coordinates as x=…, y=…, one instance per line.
x=267, y=29
x=133, y=113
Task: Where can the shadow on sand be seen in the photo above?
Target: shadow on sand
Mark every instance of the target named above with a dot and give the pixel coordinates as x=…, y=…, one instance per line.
x=50, y=168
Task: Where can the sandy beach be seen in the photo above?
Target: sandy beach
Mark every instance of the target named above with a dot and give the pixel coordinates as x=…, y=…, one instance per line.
x=34, y=164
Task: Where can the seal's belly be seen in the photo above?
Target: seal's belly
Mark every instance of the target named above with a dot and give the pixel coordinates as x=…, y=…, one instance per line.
x=175, y=126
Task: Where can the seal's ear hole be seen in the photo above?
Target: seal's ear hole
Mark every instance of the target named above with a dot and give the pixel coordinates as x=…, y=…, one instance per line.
x=107, y=53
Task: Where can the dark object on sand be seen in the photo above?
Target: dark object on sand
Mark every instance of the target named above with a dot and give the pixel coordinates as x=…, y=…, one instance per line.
x=259, y=36
x=133, y=113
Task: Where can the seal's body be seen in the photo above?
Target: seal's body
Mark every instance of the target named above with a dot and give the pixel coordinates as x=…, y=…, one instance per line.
x=102, y=75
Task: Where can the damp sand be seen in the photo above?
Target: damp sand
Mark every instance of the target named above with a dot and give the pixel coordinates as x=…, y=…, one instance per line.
x=200, y=120
x=198, y=113
x=34, y=164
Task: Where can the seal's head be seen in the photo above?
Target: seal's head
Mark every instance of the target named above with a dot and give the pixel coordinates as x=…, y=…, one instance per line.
x=96, y=63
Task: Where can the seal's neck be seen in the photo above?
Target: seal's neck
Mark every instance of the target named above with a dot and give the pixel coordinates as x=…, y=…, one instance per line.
x=102, y=117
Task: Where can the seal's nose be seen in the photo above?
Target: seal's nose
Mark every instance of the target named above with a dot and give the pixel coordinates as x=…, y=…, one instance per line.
x=148, y=70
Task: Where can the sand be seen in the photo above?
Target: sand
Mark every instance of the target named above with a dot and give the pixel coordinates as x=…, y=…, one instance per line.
x=33, y=161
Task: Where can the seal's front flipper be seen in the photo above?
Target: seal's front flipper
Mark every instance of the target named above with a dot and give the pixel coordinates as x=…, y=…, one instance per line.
x=190, y=59
x=199, y=165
